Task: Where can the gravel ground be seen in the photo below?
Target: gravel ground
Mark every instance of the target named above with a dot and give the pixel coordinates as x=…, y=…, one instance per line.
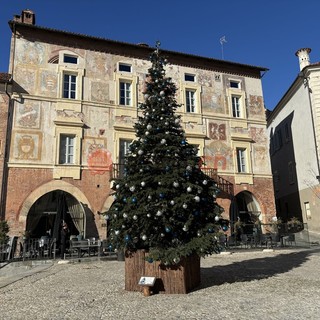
x=283, y=284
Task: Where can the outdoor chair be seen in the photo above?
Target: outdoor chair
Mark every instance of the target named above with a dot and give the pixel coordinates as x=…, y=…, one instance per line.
x=266, y=241
x=244, y=240
x=290, y=239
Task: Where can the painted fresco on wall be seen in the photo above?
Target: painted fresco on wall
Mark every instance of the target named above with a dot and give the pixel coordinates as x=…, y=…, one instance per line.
x=69, y=114
x=256, y=109
x=48, y=83
x=100, y=92
x=141, y=86
x=97, y=65
x=218, y=155
x=217, y=131
x=28, y=115
x=30, y=52
x=194, y=128
x=212, y=102
x=27, y=146
x=260, y=158
x=258, y=135
x=98, y=157
x=123, y=120
x=26, y=78
x=204, y=79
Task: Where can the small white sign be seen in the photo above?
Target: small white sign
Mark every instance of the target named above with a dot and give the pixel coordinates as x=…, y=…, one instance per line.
x=147, y=281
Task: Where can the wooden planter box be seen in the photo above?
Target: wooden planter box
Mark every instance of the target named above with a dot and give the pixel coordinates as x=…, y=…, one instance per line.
x=177, y=279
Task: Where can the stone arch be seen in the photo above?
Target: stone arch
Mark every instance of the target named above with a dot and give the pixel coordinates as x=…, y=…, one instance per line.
x=248, y=206
x=107, y=204
x=49, y=187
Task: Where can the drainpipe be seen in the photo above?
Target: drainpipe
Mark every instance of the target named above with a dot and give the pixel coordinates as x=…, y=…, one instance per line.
x=6, y=156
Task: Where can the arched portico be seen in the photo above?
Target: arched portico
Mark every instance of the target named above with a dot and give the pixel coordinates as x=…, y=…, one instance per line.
x=40, y=210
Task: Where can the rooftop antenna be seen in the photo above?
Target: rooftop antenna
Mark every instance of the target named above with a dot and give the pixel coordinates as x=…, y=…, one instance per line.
x=222, y=41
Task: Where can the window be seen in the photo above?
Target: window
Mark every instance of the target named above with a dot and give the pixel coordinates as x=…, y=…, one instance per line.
x=66, y=149
x=124, y=149
x=124, y=67
x=308, y=210
x=70, y=59
x=241, y=159
x=236, y=108
x=69, y=86
x=190, y=101
x=235, y=84
x=189, y=77
x=125, y=93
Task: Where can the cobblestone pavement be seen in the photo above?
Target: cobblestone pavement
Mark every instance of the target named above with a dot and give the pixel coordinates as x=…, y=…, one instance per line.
x=283, y=284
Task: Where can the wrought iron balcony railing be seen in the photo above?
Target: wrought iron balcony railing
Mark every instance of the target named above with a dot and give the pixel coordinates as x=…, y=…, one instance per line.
x=223, y=185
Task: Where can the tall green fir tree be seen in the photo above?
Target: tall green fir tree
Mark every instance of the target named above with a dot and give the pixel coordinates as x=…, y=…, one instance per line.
x=163, y=203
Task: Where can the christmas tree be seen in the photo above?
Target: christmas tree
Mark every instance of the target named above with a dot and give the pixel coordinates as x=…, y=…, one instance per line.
x=164, y=203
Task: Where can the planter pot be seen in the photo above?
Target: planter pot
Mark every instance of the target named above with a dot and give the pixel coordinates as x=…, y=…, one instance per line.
x=175, y=279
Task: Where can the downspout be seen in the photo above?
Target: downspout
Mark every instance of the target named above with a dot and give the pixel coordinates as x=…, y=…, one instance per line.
x=4, y=184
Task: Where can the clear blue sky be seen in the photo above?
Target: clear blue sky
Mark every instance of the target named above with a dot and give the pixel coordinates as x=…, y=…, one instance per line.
x=260, y=33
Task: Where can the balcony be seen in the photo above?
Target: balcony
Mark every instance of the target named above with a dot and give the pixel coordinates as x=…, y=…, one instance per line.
x=223, y=185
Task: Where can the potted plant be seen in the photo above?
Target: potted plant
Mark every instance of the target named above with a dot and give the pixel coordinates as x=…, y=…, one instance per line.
x=294, y=225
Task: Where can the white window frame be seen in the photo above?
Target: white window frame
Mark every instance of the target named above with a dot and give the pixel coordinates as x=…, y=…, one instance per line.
x=67, y=149
x=126, y=77
x=242, y=160
x=236, y=82
x=191, y=101
x=71, y=91
x=68, y=169
x=247, y=176
x=236, y=106
x=121, y=64
x=192, y=77
x=125, y=93
x=236, y=101
x=70, y=69
x=308, y=210
x=70, y=56
x=118, y=136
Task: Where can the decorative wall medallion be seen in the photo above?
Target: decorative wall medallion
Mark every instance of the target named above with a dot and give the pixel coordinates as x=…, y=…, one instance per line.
x=217, y=131
x=99, y=159
x=28, y=115
x=26, y=147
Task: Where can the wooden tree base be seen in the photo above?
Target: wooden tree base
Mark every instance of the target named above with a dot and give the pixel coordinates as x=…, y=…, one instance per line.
x=176, y=279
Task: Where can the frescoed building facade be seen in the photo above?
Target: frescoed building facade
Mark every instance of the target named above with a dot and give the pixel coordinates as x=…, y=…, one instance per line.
x=75, y=101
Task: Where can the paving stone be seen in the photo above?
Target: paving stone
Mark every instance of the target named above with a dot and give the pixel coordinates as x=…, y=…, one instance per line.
x=280, y=284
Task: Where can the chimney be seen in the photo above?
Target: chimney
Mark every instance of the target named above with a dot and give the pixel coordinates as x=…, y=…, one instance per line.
x=304, y=59
x=27, y=17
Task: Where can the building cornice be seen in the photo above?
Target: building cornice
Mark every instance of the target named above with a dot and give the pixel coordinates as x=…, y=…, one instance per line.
x=70, y=39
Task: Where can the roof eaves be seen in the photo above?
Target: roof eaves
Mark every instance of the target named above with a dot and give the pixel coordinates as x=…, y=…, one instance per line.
x=222, y=62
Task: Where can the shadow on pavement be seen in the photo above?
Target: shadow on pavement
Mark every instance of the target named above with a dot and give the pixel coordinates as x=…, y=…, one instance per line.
x=253, y=269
